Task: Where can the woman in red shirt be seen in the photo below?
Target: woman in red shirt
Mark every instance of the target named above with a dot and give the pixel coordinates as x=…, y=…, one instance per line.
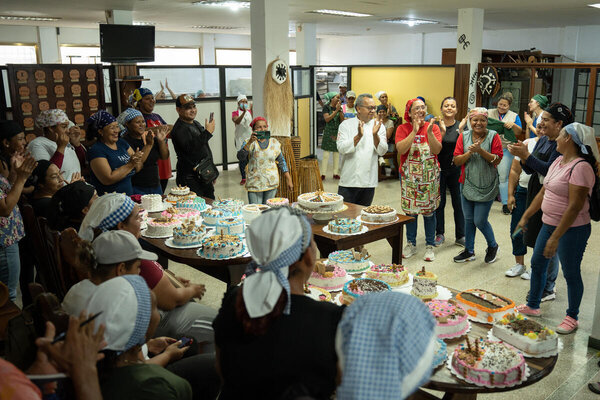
x=418, y=143
x=478, y=152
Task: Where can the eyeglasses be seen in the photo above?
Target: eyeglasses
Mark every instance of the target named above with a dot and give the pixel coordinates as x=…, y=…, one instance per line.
x=371, y=108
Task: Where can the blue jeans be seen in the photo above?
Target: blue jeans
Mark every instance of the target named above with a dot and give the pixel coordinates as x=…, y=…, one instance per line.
x=518, y=246
x=10, y=268
x=503, y=171
x=571, y=247
x=242, y=164
x=411, y=229
x=261, y=197
x=449, y=179
x=476, y=216
x=148, y=190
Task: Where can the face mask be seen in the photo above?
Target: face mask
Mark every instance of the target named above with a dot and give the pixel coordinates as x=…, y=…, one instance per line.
x=263, y=134
x=244, y=106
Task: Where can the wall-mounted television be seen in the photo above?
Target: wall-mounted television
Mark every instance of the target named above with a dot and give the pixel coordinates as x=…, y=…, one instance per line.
x=126, y=43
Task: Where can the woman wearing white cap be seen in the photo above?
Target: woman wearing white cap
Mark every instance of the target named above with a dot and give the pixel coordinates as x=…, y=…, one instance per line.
x=270, y=337
x=242, y=118
x=129, y=314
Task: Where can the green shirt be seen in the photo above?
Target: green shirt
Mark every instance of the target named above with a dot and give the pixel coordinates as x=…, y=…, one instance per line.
x=144, y=381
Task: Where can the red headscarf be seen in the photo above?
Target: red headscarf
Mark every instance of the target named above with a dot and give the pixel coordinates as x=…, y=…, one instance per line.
x=255, y=120
x=407, y=109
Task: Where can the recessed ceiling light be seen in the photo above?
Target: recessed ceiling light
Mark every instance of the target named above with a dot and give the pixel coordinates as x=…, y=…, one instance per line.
x=595, y=5
x=26, y=18
x=410, y=21
x=219, y=27
x=144, y=23
x=233, y=4
x=340, y=13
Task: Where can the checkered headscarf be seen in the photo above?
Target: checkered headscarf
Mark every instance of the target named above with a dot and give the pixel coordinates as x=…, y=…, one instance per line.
x=127, y=116
x=276, y=240
x=105, y=213
x=385, y=343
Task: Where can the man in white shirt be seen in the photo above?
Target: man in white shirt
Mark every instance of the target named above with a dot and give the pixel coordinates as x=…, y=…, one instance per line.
x=54, y=146
x=360, y=142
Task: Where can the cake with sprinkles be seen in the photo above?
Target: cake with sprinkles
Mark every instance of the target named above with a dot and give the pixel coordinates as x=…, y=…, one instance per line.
x=183, y=214
x=451, y=319
x=230, y=225
x=392, y=274
x=378, y=214
x=278, y=202
x=344, y=226
x=440, y=353
x=328, y=277
x=525, y=334
x=352, y=261
x=361, y=286
x=161, y=227
x=424, y=284
x=221, y=246
x=233, y=206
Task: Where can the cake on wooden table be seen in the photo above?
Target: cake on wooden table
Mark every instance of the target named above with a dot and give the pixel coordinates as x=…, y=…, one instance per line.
x=180, y=193
x=230, y=225
x=316, y=293
x=484, y=306
x=251, y=211
x=222, y=246
x=320, y=201
x=278, y=202
x=328, y=277
x=451, y=319
x=392, y=274
x=345, y=226
x=197, y=203
x=361, y=286
x=152, y=202
x=212, y=216
x=424, y=284
x=490, y=364
x=161, y=227
x=184, y=214
x=352, y=261
x=440, y=353
x=378, y=214
x=188, y=234
x=234, y=206
x=525, y=334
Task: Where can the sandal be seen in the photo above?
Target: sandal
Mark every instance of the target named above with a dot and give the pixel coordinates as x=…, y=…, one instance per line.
x=569, y=325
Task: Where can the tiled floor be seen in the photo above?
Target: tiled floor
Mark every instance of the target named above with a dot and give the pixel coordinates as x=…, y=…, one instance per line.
x=577, y=364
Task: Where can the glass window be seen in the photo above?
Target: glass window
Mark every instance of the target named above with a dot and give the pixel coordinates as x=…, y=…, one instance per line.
x=242, y=57
x=80, y=55
x=107, y=93
x=175, y=56
x=301, y=80
x=238, y=81
x=6, y=88
x=16, y=54
x=200, y=82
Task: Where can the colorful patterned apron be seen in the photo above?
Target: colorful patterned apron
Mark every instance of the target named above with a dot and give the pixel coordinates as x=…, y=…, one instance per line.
x=261, y=171
x=420, y=187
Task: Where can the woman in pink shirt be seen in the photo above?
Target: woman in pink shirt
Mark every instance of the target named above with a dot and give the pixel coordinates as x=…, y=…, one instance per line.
x=566, y=222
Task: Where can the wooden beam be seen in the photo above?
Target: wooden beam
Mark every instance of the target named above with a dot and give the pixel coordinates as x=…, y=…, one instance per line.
x=589, y=117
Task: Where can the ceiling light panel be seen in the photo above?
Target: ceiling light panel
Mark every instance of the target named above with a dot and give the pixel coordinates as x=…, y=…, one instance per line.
x=144, y=23
x=26, y=18
x=339, y=13
x=223, y=3
x=215, y=27
x=595, y=5
x=410, y=21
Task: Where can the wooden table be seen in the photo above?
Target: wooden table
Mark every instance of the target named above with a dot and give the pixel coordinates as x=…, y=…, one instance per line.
x=393, y=232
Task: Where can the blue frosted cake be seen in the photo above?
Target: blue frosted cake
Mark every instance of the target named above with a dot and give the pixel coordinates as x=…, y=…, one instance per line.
x=198, y=204
x=188, y=235
x=233, y=206
x=212, y=216
x=439, y=356
x=344, y=226
x=230, y=226
x=352, y=261
x=221, y=246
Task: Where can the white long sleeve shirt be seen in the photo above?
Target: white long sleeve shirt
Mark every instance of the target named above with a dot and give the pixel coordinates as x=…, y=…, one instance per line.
x=359, y=164
x=42, y=148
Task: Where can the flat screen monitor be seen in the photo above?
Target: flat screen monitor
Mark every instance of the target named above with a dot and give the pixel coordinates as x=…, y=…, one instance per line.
x=126, y=43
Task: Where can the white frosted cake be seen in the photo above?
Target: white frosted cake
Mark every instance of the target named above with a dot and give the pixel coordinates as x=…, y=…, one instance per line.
x=251, y=211
x=234, y=206
x=161, y=227
x=525, y=334
x=378, y=214
x=183, y=214
x=212, y=216
x=320, y=202
x=344, y=226
x=180, y=193
x=352, y=261
x=328, y=277
x=392, y=274
x=152, y=202
x=278, y=202
x=144, y=218
x=230, y=226
x=218, y=247
x=188, y=235
x=424, y=284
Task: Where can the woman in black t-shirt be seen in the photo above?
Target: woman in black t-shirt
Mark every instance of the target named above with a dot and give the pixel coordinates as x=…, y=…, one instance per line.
x=449, y=175
x=274, y=342
x=146, y=180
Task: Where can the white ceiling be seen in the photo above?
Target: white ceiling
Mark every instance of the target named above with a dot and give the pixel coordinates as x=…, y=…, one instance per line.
x=181, y=15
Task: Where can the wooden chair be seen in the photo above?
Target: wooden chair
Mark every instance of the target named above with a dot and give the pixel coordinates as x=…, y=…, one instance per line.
x=53, y=262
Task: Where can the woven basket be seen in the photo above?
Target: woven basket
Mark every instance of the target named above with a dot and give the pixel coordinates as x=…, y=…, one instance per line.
x=309, y=175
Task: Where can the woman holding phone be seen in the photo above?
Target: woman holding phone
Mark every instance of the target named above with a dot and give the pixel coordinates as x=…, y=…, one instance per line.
x=263, y=155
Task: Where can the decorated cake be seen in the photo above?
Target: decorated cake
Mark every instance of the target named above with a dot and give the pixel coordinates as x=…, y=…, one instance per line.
x=152, y=202
x=188, y=235
x=484, y=306
x=490, y=364
x=440, y=353
x=198, y=204
x=344, y=226
x=451, y=319
x=251, y=211
x=525, y=334
x=234, y=206
x=316, y=293
x=320, y=201
x=210, y=217
x=180, y=193
x=230, y=226
x=392, y=274
x=358, y=287
x=328, y=277
x=184, y=214
x=278, y=201
x=144, y=219
x=350, y=260
x=222, y=246
x=161, y=227
x=378, y=214
x=424, y=284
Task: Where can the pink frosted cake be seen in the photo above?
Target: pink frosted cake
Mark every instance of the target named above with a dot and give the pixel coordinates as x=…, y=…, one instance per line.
x=451, y=319
x=489, y=364
x=161, y=227
x=328, y=277
x=278, y=201
x=392, y=274
x=184, y=214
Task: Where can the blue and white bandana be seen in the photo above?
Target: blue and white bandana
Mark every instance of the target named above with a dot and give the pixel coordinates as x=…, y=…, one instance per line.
x=127, y=116
x=385, y=344
x=582, y=135
x=100, y=120
x=105, y=213
x=276, y=240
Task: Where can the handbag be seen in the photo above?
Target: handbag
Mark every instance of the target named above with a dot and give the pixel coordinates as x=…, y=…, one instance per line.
x=206, y=170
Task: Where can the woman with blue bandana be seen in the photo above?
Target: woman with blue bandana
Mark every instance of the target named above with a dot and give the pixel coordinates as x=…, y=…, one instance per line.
x=154, y=146
x=566, y=219
x=113, y=162
x=272, y=339
x=385, y=345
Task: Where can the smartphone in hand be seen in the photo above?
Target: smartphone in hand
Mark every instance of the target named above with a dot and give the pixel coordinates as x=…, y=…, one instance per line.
x=185, y=341
x=212, y=117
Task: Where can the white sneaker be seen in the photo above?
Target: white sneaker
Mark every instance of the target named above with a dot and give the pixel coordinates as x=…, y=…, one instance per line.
x=409, y=250
x=429, y=255
x=526, y=275
x=517, y=270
